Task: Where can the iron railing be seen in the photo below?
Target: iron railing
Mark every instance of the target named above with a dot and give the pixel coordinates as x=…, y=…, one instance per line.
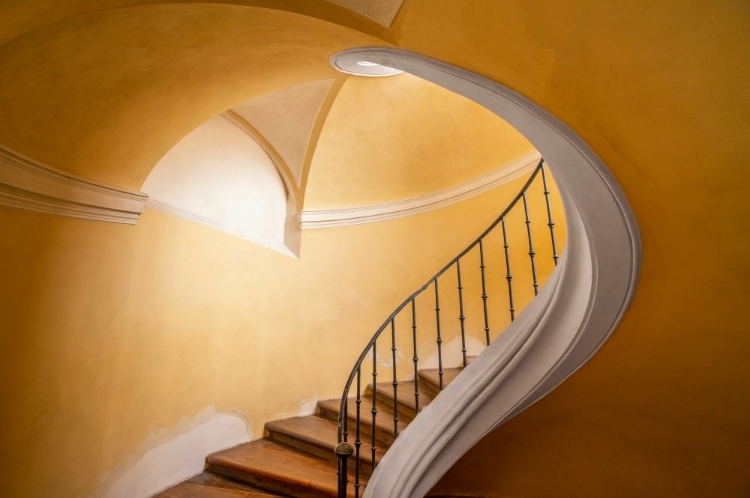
x=344, y=449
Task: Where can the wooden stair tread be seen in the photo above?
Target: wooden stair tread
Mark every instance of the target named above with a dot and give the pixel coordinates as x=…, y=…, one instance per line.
x=431, y=376
x=384, y=430
x=321, y=433
x=406, y=400
x=190, y=490
x=218, y=481
x=278, y=467
x=207, y=485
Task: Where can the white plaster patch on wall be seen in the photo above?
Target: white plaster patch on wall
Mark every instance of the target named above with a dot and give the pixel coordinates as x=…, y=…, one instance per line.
x=452, y=355
x=168, y=456
x=385, y=359
x=308, y=407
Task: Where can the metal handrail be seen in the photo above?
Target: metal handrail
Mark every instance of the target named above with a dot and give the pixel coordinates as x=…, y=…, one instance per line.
x=344, y=450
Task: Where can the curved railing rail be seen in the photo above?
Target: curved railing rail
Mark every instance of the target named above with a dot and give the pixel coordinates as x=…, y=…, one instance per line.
x=344, y=449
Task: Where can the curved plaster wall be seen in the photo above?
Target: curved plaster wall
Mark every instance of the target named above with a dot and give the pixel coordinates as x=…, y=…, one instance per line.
x=220, y=177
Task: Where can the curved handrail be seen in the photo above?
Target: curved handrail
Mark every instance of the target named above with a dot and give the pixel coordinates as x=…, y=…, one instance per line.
x=343, y=449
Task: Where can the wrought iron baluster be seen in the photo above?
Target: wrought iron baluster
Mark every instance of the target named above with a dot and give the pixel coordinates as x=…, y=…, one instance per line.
x=509, y=276
x=346, y=420
x=395, y=380
x=439, y=337
x=531, y=244
x=374, y=395
x=358, y=441
x=551, y=223
x=461, y=317
x=415, y=359
x=484, y=292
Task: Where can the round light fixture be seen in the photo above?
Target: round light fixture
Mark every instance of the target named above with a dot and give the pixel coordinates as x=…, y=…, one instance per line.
x=353, y=64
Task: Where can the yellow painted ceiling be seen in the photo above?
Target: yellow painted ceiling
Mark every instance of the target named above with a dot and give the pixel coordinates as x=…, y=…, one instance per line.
x=395, y=138
x=105, y=95
x=286, y=119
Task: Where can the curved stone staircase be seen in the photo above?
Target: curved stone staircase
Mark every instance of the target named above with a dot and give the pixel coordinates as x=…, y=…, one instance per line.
x=296, y=458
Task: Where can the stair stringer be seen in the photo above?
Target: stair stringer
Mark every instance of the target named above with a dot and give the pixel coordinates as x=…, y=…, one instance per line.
x=577, y=310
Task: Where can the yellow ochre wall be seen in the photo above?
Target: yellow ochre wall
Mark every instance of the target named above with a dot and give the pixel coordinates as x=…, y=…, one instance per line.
x=112, y=332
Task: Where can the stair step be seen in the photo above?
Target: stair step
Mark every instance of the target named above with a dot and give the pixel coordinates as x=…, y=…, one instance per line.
x=278, y=468
x=384, y=431
x=207, y=485
x=406, y=399
x=430, y=378
x=318, y=436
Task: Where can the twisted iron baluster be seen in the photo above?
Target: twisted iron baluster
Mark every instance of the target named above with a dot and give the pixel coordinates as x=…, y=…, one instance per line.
x=531, y=244
x=509, y=276
x=484, y=292
x=551, y=223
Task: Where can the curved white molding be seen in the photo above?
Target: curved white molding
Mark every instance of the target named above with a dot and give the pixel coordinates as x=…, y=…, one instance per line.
x=217, y=225
x=577, y=310
x=399, y=209
x=27, y=185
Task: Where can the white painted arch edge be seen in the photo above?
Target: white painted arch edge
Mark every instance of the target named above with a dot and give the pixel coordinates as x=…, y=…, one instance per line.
x=333, y=218
x=30, y=186
x=577, y=310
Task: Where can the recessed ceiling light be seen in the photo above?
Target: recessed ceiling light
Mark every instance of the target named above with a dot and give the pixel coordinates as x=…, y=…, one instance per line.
x=352, y=64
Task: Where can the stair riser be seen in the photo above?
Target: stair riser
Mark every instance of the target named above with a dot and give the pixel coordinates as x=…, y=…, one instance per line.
x=406, y=413
x=325, y=452
x=274, y=485
x=429, y=388
x=382, y=434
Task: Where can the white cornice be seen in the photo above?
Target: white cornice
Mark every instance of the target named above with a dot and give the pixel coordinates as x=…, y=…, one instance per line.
x=399, y=209
x=27, y=185
x=216, y=225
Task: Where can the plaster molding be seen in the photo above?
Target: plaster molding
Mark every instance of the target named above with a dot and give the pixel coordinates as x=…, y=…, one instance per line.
x=400, y=209
x=30, y=186
x=281, y=166
x=574, y=314
x=222, y=227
